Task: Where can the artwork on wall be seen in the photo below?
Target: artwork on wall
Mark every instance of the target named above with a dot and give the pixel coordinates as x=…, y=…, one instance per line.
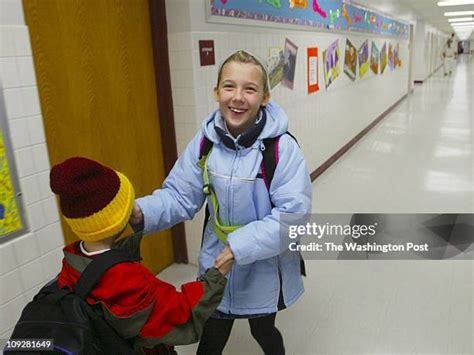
x=303, y=4
x=364, y=58
x=275, y=65
x=10, y=219
x=324, y=14
x=383, y=58
x=390, y=57
x=374, y=58
x=331, y=63
x=350, y=60
x=290, y=64
x=312, y=65
x=396, y=58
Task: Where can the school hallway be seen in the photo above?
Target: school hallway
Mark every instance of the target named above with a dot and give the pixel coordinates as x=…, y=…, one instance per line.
x=417, y=159
x=383, y=132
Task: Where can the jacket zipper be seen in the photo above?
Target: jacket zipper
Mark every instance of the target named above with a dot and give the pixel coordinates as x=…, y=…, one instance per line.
x=229, y=204
x=229, y=188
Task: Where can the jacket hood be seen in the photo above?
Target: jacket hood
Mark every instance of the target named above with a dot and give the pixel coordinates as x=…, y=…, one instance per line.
x=276, y=123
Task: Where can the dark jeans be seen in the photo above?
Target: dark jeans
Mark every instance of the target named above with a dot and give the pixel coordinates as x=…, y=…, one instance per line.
x=217, y=331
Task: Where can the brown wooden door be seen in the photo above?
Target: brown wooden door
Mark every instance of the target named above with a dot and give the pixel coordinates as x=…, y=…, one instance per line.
x=95, y=74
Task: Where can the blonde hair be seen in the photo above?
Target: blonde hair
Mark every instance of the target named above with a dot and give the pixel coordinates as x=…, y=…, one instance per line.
x=242, y=56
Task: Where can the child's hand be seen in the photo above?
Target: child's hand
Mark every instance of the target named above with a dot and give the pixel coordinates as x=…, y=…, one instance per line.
x=224, y=269
x=137, y=215
x=224, y=260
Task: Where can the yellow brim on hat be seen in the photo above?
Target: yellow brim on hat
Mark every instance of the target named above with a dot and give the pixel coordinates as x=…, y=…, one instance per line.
x=110, y=220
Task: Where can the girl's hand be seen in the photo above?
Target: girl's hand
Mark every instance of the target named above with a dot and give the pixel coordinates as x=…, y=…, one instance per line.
x=225, y=268
x=224, y=260
x=137, y=215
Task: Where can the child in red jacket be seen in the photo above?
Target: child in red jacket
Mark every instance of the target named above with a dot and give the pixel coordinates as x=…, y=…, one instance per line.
x=96, y=202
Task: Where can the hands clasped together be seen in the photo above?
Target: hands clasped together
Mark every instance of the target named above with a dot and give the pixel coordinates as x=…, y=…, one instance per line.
x=224, y=260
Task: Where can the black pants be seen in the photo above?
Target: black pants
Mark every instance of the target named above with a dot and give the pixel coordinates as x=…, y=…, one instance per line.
x=217, y=331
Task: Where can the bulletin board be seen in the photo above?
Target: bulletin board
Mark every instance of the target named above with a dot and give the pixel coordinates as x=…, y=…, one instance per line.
x=322, y=14
x=12, y=221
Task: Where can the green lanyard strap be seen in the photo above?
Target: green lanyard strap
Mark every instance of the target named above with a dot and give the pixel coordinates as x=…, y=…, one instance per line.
x=220, y=230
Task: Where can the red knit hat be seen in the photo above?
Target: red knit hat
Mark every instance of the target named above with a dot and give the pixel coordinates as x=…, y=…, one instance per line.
x=95, y=200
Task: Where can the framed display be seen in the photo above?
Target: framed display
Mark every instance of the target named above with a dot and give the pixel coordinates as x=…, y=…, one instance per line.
x=363, y=59
x=312, y=64
x=290, y=64
x=275, y=65
x=383, y=58
x=350, y=60
x=331, y=57
x=374, y=58
x=12, y=221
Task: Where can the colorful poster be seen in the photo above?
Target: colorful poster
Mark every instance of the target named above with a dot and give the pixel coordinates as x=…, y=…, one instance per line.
x=374, y=58
x=383, y=58
x=275, y=65
x=290, y=64
x=390, y=57
x=312, y=64
x=364, y=58
x=350, y=60
x=324, y=14
x=396, y=59
x=10, y=220
x=331, y=63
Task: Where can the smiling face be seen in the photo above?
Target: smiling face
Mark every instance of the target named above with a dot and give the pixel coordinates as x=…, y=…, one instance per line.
x=240, y=93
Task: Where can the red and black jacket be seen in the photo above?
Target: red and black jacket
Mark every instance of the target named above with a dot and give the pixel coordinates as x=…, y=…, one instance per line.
x=143, y=308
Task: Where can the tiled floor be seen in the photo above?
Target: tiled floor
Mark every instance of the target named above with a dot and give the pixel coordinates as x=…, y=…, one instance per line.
x=418, y=159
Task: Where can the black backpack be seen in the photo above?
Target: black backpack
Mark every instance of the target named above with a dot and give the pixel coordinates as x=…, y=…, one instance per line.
x=64, y=316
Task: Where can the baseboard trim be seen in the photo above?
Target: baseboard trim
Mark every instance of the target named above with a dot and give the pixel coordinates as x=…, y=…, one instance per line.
x=323, y=167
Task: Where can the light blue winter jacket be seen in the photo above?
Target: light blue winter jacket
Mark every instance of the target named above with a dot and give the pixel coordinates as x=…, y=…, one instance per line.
x=262, y=264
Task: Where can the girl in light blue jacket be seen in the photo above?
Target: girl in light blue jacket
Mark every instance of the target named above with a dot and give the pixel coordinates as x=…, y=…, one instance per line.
x=244, y=224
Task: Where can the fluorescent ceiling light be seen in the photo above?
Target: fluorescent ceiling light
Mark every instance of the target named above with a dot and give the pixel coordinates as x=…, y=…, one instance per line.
x=454, y=25
x=464, y=27
x=459, y=13
x=455, y=2
x=460, y=19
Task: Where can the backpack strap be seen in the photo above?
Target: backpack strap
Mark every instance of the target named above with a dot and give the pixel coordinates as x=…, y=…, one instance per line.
x=271, y=157
x=221, y=230
x=206, y=219
x=97, y=267
x=204, y=147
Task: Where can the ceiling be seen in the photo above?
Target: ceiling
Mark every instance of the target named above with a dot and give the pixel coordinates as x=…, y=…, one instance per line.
x=412, y=10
